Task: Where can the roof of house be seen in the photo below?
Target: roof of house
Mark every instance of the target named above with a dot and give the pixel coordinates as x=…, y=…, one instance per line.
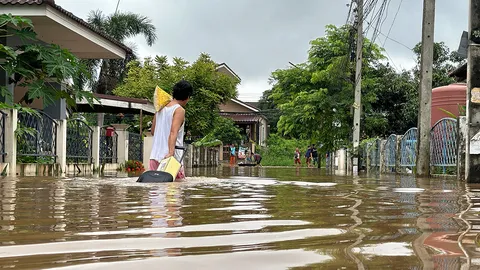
x=68, y=14
x=229, y=70
x=115, y=104
x=253, y=104
x=244, y=117
x=460, y=72
x=246, y=105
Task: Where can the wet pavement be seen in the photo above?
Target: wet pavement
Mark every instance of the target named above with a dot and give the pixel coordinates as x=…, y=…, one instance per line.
x=240, y=218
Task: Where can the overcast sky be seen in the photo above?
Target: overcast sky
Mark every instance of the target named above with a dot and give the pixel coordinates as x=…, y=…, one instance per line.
x=256, y=37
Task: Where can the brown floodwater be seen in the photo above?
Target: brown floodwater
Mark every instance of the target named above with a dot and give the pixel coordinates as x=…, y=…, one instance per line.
x=240, y=218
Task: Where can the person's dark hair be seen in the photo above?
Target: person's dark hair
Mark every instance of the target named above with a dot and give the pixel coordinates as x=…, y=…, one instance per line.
x=182, y=90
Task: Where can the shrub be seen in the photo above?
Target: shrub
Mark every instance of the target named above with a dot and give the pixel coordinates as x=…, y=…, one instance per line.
x=280, y=151
x=134, y=166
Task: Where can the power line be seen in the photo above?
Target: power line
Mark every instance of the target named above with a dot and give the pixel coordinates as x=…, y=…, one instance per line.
x=396, y=41
x=394, y=19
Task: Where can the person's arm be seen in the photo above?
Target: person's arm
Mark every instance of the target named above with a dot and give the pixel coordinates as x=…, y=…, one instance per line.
x=178, y=119
x=154, y=123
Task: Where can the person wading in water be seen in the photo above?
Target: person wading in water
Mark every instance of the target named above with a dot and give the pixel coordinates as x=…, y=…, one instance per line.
x=168, y=127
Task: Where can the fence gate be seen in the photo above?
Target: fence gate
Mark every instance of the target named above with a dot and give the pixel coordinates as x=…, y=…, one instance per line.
x=443, y=145
x=409, y=148
x=37, y=140
x=108, y=145
x=79, y=142
x=135, y=147
x=390, y=153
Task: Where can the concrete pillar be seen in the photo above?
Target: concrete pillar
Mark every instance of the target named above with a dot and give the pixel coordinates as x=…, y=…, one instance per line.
x=147, y=149
x=472, y=156
x=96, y=147
x=462, y=128
x=398, y=155
x=122, y=142
x=220, y=152
x=341, y=161
x=11, y=141
x=426, y=77
x=382, y=167
x=188, y=160
x=205, y=156
x=62, y=146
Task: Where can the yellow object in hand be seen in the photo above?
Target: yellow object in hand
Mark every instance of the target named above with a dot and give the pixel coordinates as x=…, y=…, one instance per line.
x=160, y=98
x=170, y=165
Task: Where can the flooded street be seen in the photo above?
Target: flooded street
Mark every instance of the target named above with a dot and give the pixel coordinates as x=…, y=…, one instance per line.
x=239, y=218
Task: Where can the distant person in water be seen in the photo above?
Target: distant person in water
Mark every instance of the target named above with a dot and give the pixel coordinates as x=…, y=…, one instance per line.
x=168, y=127
x=257, y=158
x=296, y=158
x=308, y=156
x=232, y=154
x=314, y=155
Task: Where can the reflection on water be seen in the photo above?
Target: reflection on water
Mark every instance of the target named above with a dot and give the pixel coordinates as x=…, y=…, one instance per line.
x=240, y=218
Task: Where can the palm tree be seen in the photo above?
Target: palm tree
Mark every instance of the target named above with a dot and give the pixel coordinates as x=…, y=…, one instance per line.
x=120, y=26
x=107, y=73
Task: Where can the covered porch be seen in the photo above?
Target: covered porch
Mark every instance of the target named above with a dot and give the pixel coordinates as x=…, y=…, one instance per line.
x=253, y=126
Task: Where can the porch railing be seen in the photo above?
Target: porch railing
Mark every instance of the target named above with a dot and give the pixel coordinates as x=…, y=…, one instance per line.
x=79, y=142
x=135, y=147
x=37, y=142
x=3, y=117
x=108, y=146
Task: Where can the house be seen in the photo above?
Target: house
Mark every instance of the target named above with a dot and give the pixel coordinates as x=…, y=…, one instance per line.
x=253, y=125
x=53, y=24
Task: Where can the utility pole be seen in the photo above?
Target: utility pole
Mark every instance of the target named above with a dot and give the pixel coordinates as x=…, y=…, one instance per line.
x=472, y=155
x=425, y=93
x=358, y=85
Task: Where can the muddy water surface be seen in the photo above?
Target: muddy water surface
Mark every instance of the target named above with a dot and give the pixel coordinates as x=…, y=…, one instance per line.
x=239, y=218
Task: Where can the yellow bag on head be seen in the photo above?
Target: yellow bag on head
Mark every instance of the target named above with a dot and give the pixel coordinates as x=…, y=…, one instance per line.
x=160, y=98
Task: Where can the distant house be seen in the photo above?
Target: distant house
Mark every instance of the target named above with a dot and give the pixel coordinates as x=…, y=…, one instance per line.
x=253, y=125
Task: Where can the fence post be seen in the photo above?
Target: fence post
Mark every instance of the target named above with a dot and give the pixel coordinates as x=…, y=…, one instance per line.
x=368, y=161
x=381, y=157
x=62, y=145
x=220, y=153
x=11, y=141
x=147, y=149
x=122, y=142
x=398, y=155
x=96, y=147
x=461, y=147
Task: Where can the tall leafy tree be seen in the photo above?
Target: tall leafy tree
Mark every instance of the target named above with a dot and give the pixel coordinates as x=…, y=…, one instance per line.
x=211, y=88
x=316, y=98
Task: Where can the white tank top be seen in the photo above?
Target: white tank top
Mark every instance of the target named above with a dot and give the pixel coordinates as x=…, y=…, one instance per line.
x=162, y=132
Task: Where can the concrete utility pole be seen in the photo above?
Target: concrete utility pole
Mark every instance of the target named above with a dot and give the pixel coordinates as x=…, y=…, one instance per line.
x=426, y=77
x=358, y=85
x=472, y=155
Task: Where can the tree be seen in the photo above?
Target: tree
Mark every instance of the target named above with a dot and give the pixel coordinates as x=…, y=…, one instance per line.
x=316, y=97
x=226, y=131
x=35, y=66
x=268, y=108
x=211, y=88
x=120, y=26
x=444, y=61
